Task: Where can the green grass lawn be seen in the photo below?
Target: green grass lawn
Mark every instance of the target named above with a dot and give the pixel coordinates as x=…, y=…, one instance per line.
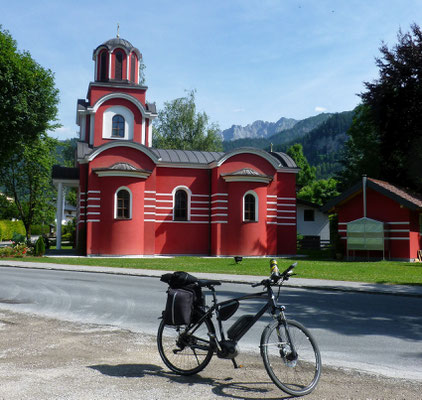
x=389, y=272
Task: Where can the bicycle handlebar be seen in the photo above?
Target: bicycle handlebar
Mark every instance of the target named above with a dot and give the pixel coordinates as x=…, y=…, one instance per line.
x=284, y=276
x=260, y=283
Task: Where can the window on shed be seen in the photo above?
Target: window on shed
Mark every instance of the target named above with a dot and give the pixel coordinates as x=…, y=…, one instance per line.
x=249, y=208
x=180, y=206
x=123, y=204
x=132, y=67
x=309, y=215
x=118, y=128
x=118, y=66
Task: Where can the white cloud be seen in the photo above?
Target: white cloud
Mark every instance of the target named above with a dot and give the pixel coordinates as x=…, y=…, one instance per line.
x=320, y=109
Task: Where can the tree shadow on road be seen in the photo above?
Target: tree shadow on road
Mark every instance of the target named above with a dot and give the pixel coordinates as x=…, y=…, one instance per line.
x=226, y=387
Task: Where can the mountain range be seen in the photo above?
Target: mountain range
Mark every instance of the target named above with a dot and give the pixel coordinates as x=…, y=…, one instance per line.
x=258, y=129
x=322, y=137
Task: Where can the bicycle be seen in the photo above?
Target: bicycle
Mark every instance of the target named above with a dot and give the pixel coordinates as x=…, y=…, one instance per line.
x=290, y=353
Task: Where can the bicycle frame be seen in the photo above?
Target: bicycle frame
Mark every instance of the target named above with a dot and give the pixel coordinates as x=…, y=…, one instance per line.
x=270, y=305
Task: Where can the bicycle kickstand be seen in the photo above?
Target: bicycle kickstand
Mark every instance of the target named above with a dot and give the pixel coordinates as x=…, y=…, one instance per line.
x=235, y=365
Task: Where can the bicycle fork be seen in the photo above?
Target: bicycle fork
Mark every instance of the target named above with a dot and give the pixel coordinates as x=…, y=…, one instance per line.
x=292, y=355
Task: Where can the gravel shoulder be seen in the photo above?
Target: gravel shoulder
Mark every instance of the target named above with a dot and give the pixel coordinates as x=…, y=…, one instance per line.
x=43, y=358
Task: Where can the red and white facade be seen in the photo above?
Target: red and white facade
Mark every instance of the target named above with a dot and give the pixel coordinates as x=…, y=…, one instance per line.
x=137, y=200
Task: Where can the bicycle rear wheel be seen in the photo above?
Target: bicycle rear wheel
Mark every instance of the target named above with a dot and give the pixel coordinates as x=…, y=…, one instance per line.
x=185, y=353
x=297, y=374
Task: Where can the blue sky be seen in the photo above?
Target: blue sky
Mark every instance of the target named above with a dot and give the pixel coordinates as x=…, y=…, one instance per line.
x=248, y=60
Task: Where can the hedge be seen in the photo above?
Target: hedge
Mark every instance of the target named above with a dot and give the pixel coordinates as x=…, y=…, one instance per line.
x=8, y=228
x=40, y=229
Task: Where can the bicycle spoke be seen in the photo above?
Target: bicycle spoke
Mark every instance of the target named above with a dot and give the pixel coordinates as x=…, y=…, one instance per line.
x=294, y=370
x=183, y=353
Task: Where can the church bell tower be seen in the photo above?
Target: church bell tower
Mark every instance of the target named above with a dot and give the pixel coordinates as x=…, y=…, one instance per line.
x=115, y=108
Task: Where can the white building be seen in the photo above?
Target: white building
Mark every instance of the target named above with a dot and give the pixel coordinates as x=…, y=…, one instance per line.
x=311, y=221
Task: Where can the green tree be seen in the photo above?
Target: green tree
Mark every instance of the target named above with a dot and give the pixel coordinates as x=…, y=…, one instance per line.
x=306, y=174
x=180, y=126
x=361, y=154
x=28, y=98
x=393, y=117
x=7, y=208
x=320, y=191
x=27, y=178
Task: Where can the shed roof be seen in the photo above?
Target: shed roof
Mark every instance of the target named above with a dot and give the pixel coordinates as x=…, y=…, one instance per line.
x=402, y=196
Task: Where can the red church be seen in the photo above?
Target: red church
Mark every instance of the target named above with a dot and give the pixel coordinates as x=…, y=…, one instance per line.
x=138, y=200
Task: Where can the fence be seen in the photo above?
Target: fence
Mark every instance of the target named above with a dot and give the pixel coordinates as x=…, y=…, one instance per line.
x=313, y=243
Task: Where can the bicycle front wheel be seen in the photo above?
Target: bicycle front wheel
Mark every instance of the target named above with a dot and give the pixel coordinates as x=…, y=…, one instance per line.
x=185, y=352
x=294, y=366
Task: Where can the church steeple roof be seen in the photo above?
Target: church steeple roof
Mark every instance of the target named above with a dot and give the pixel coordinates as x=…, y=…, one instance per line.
x=113, y=43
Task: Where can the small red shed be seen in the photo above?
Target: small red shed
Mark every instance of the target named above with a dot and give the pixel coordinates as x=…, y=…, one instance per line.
x=397, y=209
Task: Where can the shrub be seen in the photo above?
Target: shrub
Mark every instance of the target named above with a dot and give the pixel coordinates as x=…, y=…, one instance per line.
x=18, y=250
x=8, y=228
x=39, y=247
x=6, y=251
x=46, y=241
x=18, y=238
x=67, y=237
x=40, y=229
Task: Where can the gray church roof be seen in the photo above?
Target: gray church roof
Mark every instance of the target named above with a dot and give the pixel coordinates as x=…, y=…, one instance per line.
x=187, y=156
x=286, y=160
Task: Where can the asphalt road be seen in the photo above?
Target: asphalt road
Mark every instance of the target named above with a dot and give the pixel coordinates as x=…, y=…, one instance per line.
x=375, y=333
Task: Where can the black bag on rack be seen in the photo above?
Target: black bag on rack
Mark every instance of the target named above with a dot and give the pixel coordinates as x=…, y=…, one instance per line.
x=179, y=306
x=185, y=299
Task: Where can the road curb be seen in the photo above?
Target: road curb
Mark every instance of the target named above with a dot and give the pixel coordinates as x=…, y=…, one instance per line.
x=296, y=283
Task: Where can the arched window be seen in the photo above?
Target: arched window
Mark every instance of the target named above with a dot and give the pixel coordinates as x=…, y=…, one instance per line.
x=118, y=128
x=118, y=66
x=250, y=207
x=180, y=205
x=103, y=66
x=123, y=204
x=132, y=67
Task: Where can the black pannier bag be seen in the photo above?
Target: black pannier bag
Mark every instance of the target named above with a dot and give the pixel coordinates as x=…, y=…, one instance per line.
x=178, y=279
x=179, y=307
x=183, y=281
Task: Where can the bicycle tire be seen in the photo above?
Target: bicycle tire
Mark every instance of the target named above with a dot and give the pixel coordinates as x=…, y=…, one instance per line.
x=298, y=376
x=185, y=353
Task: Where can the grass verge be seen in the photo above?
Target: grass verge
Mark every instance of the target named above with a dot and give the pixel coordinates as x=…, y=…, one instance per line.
x=388, y=272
